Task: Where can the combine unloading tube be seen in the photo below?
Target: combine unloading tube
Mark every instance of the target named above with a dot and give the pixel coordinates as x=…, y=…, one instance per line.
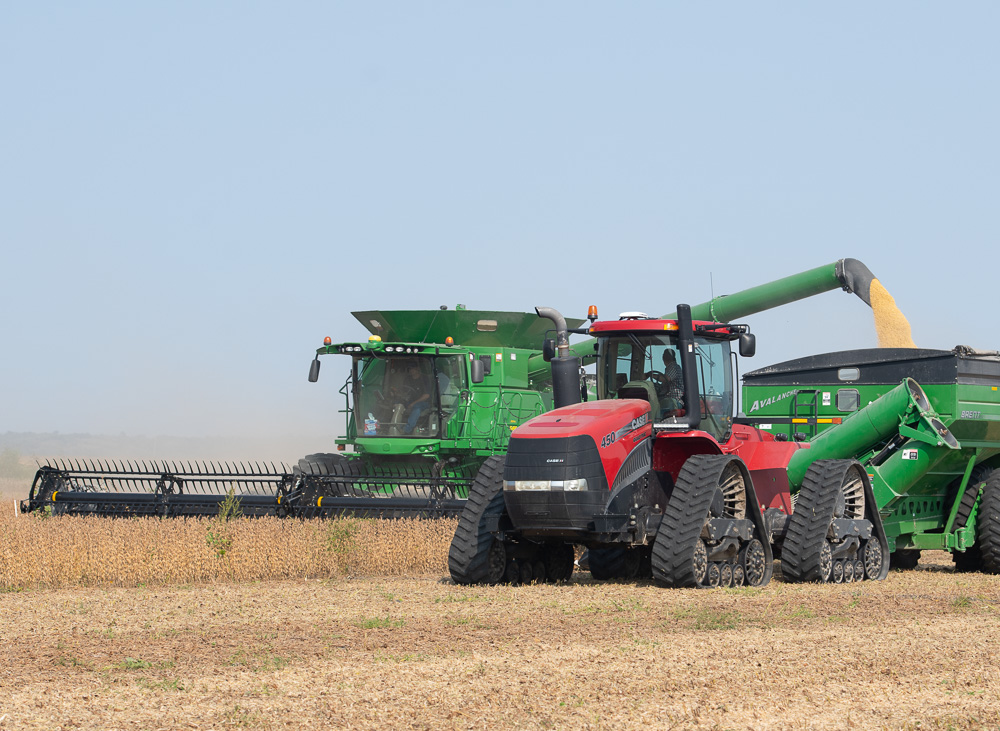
x=850, y=275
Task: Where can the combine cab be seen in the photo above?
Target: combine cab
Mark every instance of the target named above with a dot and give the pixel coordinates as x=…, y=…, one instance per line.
x=431, y=396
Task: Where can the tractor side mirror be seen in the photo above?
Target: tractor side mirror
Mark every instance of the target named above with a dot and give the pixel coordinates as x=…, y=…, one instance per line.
x=748, y=345
x=478, y=370
x=314, y=371
x=548, y=349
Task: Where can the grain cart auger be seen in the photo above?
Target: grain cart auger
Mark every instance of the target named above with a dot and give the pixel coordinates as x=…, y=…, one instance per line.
x=930, y=451
x=654, y=477
x=431, y=395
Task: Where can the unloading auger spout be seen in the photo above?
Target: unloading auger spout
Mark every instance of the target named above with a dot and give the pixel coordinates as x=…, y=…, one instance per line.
x=849, y=275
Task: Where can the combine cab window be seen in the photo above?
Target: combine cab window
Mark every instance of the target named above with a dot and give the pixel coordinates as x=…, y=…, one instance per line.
x=413, y=396
x=641, y=365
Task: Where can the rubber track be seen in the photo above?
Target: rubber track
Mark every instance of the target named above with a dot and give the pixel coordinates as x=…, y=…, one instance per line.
x=988, y=525
x=673, y=548
x=607, y=563
x=469, y=553
x=322, y=463
x=810, y=520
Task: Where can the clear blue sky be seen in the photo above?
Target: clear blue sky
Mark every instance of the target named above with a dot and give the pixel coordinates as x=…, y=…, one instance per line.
x=193, y=194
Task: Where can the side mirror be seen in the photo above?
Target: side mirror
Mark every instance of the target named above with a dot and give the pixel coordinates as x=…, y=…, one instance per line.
x=314, y=371
x=548, y=349
x=748, y=345
x=478, y=370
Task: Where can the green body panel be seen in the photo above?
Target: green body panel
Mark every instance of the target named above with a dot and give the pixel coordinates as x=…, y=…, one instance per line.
x=483, y=414
x=934, y=444
x=727, y=308
x=873, y=424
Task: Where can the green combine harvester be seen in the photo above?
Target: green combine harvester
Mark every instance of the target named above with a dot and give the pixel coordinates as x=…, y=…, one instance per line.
x=423, y=413
x=431, y=395
x=925, y=424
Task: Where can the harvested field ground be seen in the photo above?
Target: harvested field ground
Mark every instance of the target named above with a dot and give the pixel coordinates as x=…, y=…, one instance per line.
x=355, y=649
x=915, y=651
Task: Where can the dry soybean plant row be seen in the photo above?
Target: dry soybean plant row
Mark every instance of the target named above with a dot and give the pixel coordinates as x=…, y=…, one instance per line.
x=57, y=552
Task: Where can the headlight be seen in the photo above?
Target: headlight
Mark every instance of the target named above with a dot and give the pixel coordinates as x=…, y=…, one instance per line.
x=545, y=485
x=531, y=485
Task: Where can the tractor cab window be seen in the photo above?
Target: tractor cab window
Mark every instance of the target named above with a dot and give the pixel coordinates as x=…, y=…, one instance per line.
x=407, y=396
x=642, y=366
x=715, y=384
x=648, y=366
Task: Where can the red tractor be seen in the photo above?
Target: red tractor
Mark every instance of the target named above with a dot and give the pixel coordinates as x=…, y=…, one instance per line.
x=655, y=477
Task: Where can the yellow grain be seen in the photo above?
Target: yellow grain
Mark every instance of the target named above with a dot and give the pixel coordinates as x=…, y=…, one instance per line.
x=891, y=325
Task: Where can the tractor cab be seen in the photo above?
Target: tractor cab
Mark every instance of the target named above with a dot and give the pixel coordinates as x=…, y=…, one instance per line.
x=686, y=377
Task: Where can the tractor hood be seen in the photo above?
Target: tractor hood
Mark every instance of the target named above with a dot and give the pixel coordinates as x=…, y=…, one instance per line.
x=608, y=440
x=606, y=421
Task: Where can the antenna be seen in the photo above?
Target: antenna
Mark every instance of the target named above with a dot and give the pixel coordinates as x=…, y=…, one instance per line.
x=711, y=285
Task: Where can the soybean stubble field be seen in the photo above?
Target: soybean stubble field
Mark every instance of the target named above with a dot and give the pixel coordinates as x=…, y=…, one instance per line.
x=285, y=624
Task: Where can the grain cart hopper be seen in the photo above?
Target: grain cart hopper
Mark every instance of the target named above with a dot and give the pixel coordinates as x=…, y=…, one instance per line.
x=431, y=394
x=930, y=450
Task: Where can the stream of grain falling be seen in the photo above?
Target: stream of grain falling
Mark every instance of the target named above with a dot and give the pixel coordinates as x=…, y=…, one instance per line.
x=891, y=325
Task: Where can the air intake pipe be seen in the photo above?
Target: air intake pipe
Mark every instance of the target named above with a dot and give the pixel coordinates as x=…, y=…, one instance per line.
x=566, y=365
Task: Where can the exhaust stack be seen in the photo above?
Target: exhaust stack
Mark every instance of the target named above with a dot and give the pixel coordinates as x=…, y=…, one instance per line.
x=565, y=366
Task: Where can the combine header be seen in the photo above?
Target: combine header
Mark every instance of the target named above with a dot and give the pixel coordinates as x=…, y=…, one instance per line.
x=168, y=489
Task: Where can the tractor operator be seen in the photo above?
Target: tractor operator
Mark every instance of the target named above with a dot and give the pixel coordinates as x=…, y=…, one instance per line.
x=670, y=390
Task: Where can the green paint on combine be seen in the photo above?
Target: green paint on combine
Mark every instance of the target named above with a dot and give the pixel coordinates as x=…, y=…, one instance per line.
x=472, y=370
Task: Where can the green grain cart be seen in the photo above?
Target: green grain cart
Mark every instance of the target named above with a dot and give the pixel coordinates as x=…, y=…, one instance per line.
x=925, y=424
